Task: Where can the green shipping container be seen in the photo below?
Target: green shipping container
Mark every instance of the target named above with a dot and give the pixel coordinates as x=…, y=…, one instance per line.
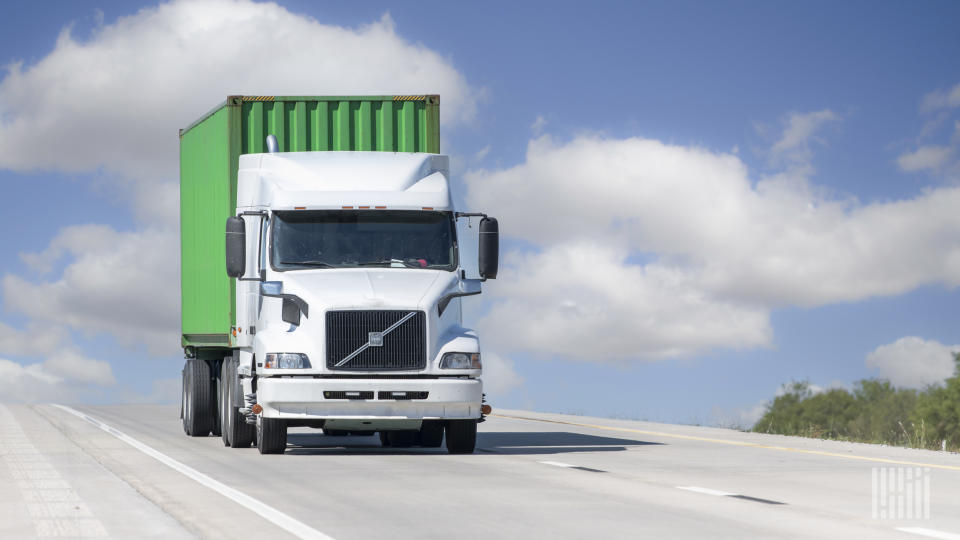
x=210, y=150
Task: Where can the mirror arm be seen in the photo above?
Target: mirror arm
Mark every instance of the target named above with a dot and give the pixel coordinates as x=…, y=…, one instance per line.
x=445, y=300
x=300, y=302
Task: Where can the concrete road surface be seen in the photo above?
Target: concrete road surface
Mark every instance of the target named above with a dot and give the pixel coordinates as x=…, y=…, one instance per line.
x=130, y=472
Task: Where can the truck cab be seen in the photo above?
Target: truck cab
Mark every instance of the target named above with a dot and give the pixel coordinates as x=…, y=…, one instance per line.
x=348, y=298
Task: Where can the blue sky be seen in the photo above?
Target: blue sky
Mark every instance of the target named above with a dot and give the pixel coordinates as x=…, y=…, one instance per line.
x=725, y=78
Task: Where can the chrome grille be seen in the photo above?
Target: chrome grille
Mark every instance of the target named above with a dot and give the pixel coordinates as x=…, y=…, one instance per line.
x=403, y=348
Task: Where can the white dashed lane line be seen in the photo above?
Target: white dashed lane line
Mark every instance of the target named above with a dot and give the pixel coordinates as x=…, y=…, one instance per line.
x=718, y=493
x=569, y=466
x=929, y=533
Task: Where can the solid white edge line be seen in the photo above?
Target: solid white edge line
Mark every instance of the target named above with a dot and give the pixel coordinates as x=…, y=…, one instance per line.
x=706, y=491
x=278, y=518
x=931, y=533
x=557, y=464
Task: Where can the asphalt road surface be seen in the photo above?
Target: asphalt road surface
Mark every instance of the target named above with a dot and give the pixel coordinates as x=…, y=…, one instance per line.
x=130, y=472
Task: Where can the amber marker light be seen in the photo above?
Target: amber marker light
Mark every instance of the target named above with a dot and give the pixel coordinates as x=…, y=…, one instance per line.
x=380, y=207
x=486, y=409
x=428, y=208
x=299, y=207
x=256, y=409
x=347, y=207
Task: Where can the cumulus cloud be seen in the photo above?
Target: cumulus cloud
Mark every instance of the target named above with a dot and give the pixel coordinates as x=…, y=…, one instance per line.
x=941, y=99
x=64, y=363
x=31, y=384
x=929, y=158
x=913, y=362
x=649, y=250
x=110, y=106
x=116, y=100
x=121, y=284
x=794, y=143
x=940, y=159
x=499, y=376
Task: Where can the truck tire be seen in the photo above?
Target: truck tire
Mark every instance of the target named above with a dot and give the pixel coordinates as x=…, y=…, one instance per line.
x=215, y=427
x=224, y=410
x=461, y=436
x=271, y=435
x=431, y=434
x=197, y=414
x=239, y=433
x=401, y=439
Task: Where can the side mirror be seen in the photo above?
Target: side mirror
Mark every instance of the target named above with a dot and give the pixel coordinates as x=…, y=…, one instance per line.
x=236, y=247
x=489, y=248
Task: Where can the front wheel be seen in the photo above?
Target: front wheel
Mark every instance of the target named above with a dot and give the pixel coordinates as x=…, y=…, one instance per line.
x=461, y=436
x=271, y=435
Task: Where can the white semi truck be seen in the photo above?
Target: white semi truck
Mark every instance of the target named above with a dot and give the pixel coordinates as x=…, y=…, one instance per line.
x=346, y=309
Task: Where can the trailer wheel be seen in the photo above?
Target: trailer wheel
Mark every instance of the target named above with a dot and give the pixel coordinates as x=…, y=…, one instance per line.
x=239, y=432
x=461, y=436
x=217, y=427
x=431, y=434
x=197, y=414
x=224, y=403
x=271, y=435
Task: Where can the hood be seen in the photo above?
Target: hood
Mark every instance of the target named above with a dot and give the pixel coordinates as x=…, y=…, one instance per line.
x=365, y=288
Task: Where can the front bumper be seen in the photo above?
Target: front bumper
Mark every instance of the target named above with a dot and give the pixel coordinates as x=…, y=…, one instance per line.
x=296, y=397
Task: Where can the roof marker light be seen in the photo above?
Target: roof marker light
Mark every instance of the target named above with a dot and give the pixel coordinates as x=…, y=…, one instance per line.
x=347, y=208
x=380, y=207
x=363, y=207
x=428, y=208
x=299, y=207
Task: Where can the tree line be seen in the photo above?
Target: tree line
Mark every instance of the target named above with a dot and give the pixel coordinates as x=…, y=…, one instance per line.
x=873, y=411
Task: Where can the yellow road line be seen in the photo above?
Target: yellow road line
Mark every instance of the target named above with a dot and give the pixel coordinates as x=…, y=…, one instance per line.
x=737, y=443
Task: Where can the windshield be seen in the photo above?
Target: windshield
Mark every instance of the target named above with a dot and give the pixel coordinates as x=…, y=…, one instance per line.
x=364, y=238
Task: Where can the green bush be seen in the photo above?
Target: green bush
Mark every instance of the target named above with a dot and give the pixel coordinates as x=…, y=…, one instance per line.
x=875, y=411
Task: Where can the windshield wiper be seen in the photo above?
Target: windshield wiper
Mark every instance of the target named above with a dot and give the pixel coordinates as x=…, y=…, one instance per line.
x=318, y=264
x=385, y=261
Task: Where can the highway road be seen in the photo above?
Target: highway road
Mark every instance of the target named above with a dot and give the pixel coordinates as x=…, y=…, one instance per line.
x=130, y=472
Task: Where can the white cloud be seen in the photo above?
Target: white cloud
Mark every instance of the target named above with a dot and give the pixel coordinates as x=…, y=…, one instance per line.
x=121, y=284
x=64, y=361
x=538, y=125
x=794, y=144
x=719, y=252
x=913, y=362
x=117, y=99
x=929, y=158
x=111, y=105
x=499, y=377
x=941, y=99
x=585, y=301
x=30, y=384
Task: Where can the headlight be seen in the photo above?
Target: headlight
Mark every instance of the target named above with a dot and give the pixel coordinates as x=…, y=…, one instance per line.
x=459, y=360
x=287, y=360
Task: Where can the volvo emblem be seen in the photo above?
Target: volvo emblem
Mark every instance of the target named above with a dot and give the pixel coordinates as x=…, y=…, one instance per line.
x=375, y=339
